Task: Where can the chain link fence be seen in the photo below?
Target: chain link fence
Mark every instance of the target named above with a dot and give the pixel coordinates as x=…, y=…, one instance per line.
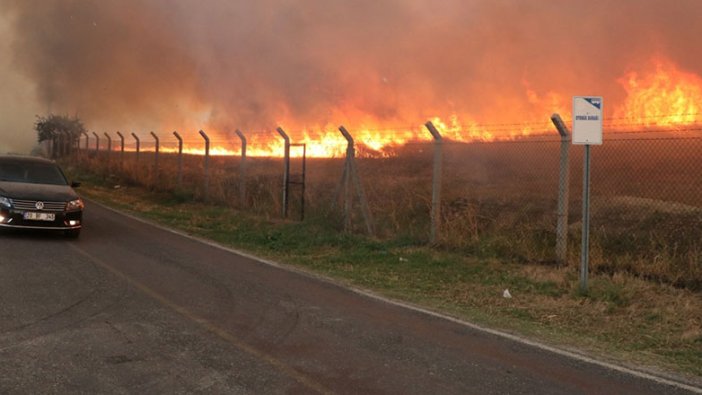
x=498, y=199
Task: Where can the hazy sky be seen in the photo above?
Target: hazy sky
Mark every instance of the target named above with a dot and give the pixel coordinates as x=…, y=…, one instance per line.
x=139, y=65
x=18, y=104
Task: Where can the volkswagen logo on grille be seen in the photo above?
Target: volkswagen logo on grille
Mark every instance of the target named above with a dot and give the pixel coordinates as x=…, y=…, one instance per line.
x=39, y=205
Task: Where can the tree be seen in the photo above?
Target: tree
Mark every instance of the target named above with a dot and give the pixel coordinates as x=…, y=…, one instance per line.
x=61, y=130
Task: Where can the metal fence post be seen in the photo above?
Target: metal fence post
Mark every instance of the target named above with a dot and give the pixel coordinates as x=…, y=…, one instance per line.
x=436, y=183
x=286, y=170
x=109, y=148
x=138, y=146
x=207, y=164
x=75, y=145
x=97, y=143
x=180, y=159
x=87, y=140
x=304, y=176
x=156, y=148
x=121, y=150
x=563, y=191
x=242, y=168
x=585, y=246
x=346, y=176
x=351, y=175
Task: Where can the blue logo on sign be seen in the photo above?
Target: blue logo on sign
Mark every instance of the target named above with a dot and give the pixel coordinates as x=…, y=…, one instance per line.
x=597, y=102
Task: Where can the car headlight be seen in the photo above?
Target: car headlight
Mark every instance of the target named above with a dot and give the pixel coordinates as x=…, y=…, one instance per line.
x=75, y=205
x=5, y=202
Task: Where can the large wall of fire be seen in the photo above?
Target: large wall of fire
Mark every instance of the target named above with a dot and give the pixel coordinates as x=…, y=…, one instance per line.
x=479, y=69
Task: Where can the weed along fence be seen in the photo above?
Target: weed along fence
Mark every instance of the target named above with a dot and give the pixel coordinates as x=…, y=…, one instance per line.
x=518, y=200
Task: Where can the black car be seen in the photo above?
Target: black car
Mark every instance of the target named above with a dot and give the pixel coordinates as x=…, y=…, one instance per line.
x=35, y=194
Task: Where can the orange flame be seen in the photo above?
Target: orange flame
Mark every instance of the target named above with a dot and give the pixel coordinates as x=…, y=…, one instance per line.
x=660, y=96
x=328, y=142
x=665, y=97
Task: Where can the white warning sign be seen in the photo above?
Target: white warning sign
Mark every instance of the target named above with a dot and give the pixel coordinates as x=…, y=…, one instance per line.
x=587, y=120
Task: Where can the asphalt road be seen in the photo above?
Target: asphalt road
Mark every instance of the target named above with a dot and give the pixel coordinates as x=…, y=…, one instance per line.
x=132, y=308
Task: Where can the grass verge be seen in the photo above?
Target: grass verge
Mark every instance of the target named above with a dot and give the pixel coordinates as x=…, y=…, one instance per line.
x=623, y=319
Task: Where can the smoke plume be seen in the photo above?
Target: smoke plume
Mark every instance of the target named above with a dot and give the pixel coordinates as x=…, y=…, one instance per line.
x=173, y=64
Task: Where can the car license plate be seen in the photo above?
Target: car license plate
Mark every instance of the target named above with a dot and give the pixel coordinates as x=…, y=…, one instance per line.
x=32, y=216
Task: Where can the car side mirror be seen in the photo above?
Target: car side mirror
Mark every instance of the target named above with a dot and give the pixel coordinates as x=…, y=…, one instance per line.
x=75, y=184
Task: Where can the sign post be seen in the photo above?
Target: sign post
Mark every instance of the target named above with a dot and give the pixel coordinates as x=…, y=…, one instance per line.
x=587, y=130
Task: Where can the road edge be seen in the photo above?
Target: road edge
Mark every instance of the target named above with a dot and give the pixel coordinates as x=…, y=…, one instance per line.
x=670, y=381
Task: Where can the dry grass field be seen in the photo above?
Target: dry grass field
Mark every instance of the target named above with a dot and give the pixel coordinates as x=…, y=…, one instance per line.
x=498, y=232
x=498, y=199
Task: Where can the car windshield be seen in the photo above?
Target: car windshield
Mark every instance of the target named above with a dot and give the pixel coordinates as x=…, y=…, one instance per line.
x=33, y=173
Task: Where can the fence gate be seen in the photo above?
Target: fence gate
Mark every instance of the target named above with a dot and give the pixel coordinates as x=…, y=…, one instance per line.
x=297, y=180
